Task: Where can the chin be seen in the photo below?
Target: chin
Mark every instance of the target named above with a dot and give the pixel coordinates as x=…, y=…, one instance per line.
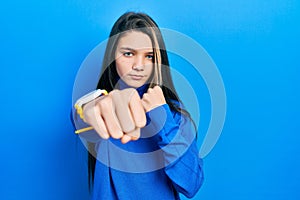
x=134, y=83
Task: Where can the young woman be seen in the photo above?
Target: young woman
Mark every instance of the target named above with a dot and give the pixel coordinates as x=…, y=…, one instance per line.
x=143, y=142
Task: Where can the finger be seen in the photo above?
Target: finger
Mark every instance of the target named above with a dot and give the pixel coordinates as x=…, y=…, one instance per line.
x=125, y=139
x=135, y=134
x=157, y=88
x=92, y=116
x=159, y=92
x=110, y=118
x=146, y=97
x=137, y=111
x=122, y=110
x=145, y=102
x=99, y=126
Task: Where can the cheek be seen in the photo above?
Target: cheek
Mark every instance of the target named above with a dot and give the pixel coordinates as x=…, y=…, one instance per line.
x=150, y=69
x=123, y=67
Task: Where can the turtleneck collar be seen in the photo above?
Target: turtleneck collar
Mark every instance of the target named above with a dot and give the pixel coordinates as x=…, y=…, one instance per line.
x=141, y=90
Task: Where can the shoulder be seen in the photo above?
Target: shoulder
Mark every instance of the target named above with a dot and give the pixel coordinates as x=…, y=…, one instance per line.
x=175, y=107
x=179, y=112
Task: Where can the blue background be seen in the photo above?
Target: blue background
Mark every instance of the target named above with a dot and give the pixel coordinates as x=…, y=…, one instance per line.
x=254, y=44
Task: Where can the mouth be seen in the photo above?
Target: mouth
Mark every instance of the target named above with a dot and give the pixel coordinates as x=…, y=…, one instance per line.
x=136, y=76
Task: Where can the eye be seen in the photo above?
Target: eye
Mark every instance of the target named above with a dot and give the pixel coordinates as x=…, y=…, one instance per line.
x=128, y=54
x=150, y=57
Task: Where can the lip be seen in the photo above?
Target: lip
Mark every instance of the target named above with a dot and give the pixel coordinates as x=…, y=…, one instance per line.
x=136, y=76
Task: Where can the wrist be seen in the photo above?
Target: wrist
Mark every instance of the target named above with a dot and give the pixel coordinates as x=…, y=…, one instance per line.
x=160, y=118
x=86, y=99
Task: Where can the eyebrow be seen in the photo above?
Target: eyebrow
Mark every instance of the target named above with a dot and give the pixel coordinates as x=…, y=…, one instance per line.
x=132, y=49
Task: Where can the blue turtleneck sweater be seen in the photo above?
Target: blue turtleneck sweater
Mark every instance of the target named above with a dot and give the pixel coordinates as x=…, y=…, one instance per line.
x=161, y=164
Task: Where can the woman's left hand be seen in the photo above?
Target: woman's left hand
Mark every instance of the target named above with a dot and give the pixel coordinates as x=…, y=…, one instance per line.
x=153, y=98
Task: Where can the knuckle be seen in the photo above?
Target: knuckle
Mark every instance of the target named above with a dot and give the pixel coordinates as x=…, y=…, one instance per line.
x=150, y=90
x=116, y=135
x=89, y=112
x=132, y=95
x=114, y=93
x=145, y=97
x=127, y=91
x=129, y=127
x=102, y=135
x=105, y=104
x=144, y=102
x=132, y=91
x=157, y=88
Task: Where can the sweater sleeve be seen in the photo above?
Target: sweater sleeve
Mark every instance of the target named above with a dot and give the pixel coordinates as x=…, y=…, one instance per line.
x=176, y=137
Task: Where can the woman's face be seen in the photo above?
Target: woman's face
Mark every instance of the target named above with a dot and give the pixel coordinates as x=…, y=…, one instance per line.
x=134, y=58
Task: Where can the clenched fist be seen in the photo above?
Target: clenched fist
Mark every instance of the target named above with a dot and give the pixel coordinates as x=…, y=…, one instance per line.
x=153, y=98
x=120, y=115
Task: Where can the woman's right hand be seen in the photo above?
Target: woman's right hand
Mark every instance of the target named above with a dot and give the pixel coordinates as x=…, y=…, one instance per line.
x=120, y=115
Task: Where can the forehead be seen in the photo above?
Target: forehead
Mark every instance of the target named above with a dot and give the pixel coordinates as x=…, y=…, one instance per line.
x=135, y=40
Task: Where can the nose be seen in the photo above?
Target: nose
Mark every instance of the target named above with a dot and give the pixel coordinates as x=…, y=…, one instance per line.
x=138, y=63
